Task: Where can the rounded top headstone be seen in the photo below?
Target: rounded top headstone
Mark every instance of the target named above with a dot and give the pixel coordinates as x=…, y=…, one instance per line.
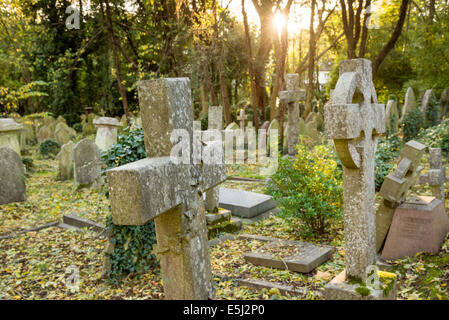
x=8, y=124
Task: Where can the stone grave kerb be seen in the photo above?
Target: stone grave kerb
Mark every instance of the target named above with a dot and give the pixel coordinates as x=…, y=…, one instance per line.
x=171, y=194
x=354, y=119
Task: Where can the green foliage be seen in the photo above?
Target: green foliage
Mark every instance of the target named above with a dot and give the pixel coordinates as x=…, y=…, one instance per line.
x=78, y=127
x=436, y=137
x=433, y=112
x=49, y=148
x=412, y=124
x=133, y=246
x=28, y=162
x=130, y=147
x=204, y=122
x=387, y=152
x=309, y=188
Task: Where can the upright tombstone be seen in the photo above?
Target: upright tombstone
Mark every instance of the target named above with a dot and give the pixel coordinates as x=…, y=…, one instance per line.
x=65, y=159
x=427, y=97
x=232, y=126
x=215, y=122
x=106, y=132
x=273, y=128
x=391, y=117
x=87, y=164
x=291, y=97
x=409, y=102
x=63, y=133
x=242, y=118
x=12, y=171
x=436, y=176
x=171, y=194
x=395, y=187
x=9, y=134
x=354, y=119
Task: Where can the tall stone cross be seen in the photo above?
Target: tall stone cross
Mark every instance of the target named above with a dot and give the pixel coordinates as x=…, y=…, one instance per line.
x=171, y=194
x=215, y=122
x=291, y=96
x=353, y=120
x=242, y=118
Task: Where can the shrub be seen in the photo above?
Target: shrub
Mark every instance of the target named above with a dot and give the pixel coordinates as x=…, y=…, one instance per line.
x=130, y=147
x=132, y=244
x=309, y=188
x=387, y=152
x=29, y=165
x=49, y=148
x=412, y=124
x=78, y=127
x=436, y=137
x=432, y=112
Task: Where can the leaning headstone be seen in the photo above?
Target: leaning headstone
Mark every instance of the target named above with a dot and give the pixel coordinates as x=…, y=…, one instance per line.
x=419, y=225
x=391, y=117
x=87, y=164
x=106, y=132
x=436, y=176
x=215, y=122
x=12, y=174
x=9, y=134
x=63, y=133
x=395, y=187
x=291, y=96
x=157, y=188
x=354, y=119
x=65, y=159
x=409, y=103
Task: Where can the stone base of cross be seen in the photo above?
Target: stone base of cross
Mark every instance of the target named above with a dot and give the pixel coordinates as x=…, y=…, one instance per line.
x=158, y=188
x=354, y=119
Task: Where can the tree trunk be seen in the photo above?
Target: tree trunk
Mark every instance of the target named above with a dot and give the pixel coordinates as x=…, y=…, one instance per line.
x=312, y=53
x=115, y=54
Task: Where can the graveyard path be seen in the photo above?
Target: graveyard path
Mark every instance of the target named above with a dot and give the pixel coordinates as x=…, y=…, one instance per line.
x=48, y=199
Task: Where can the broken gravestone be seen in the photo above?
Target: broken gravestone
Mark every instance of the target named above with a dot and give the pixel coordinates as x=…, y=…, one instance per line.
x=245, y=204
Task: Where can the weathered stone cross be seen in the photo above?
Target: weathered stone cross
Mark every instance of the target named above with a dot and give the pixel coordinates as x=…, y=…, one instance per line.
x=242, y=118
x=353, y=120
x=171, y=194
x=436, y=177
x=291, y=96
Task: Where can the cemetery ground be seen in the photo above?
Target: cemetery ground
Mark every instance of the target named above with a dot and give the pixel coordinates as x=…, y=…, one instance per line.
x=33, y=264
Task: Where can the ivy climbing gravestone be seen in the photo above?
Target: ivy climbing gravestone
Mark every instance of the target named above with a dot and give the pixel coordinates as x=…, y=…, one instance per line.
x=354, y=119
x=171, y=194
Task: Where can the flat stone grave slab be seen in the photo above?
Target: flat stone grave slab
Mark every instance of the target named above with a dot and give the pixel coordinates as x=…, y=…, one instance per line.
x=291, y=255
x=245, y=204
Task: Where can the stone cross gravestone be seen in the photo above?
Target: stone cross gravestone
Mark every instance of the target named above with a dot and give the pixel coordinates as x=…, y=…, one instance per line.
x=354, y=119
x=171, y=194
x=215, y=122
x=9, y=134
x=395, y=187
x=87, y=163
x=12, y=180
x=242, y=118
x=291, y=96
x=436, y=176
x=106, y=132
